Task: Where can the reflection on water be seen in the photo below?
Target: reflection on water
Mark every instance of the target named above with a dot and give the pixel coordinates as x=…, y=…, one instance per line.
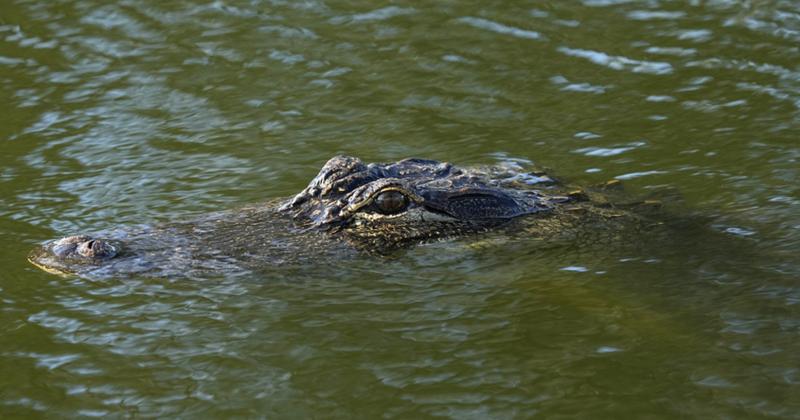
x=138, y=112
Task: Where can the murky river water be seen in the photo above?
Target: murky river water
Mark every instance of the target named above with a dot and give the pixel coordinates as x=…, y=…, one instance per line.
x=148, y=111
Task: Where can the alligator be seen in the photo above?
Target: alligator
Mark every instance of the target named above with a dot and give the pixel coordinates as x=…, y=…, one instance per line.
x=352, y=208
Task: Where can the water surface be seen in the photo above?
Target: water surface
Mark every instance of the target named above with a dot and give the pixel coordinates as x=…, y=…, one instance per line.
x=146, y=112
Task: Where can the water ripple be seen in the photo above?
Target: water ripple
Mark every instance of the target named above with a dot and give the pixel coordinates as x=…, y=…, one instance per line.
x=382, y=14
x=654, y=15
x=619, y=62
x=609, y=151
x=500, y=28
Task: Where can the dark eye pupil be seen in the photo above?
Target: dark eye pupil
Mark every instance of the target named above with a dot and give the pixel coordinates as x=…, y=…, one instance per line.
x=390, y=202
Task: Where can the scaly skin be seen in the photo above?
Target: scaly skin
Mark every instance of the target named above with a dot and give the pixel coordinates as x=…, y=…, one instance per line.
x=350, y=207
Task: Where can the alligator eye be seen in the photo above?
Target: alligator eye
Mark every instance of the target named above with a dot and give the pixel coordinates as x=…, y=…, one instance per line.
x=391, y=202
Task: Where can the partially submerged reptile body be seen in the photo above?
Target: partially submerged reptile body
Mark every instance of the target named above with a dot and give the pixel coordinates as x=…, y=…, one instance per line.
x=351, y=207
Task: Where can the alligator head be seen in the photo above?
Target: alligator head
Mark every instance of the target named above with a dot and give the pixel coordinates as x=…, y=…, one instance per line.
x=389, y=205
x=374, y=207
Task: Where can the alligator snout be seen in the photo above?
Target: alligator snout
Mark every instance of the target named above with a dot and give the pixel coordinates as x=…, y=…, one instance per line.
x=83, y=246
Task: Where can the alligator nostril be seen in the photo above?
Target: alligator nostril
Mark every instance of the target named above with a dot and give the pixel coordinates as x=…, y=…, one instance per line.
x=95, y=248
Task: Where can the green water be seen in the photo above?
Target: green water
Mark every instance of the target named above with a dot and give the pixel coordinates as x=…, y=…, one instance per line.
x=149, y=111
